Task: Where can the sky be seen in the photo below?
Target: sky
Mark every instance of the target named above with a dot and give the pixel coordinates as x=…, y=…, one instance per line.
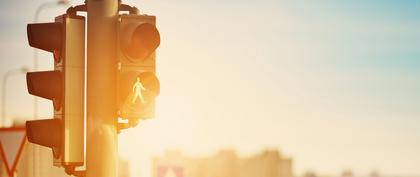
x=332, y=84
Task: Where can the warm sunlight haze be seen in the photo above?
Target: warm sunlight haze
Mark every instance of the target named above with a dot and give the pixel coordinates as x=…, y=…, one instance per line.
x=332, y=85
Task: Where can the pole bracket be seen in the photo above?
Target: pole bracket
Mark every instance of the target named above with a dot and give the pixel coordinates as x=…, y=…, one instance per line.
x=72, y=11
x=131, y=9
x=71, y=170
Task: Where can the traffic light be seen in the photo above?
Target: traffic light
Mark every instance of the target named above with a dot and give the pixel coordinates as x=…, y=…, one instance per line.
x=138, y=85
x=65, y=38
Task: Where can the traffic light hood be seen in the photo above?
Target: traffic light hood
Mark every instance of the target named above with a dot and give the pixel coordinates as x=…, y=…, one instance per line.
x=142, y=42
x=45, y=36
x=46, y=132
x=45, y=84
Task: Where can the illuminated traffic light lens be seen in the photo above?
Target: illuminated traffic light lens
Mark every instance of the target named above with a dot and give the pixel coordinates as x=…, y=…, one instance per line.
x=146, y=83
x=144, y=41
x=150, y=82
x=137, y=93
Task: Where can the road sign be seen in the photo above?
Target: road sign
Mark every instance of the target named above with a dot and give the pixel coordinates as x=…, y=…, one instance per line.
x=12, y=141
x=170, y=171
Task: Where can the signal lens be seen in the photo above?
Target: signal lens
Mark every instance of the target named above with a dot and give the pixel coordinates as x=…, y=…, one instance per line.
x=137, y=94
x=144, y=41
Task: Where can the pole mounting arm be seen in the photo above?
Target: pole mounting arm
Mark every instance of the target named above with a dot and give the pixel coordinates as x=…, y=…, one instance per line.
x=72, y=11
x=71, y=170
x=131, y=9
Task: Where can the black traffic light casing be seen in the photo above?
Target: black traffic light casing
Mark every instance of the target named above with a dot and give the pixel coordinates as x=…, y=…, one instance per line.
x=65, y=38
x=40, y=132
x=45, y=36
x=138, y=85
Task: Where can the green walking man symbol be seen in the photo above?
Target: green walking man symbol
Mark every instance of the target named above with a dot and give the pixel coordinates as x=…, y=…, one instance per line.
x=137, y=88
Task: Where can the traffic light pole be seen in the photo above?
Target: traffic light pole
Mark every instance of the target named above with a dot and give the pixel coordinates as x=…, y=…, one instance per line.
x=101, y=133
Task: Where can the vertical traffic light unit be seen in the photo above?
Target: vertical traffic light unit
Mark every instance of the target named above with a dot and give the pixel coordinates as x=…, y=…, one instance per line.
x=121, y=83
x=65, y=38
x=138, y=39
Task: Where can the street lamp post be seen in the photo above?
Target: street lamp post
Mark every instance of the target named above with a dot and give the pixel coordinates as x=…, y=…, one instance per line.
x=3, y=95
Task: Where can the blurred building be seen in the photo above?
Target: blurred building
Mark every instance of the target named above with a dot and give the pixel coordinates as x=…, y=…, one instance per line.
x=347, y=173
x=225, y=163
x=374, y=174
x=310, y=174
x=123, y=168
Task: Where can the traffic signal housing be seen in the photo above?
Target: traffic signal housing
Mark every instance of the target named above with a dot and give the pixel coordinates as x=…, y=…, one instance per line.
x=65, y=38
x=138, y=85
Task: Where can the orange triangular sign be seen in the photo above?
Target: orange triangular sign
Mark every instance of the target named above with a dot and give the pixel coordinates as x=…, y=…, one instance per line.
x=170, y=173
x=12, y=141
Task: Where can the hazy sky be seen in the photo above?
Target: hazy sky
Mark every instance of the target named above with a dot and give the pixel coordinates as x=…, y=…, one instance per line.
x=332, y=84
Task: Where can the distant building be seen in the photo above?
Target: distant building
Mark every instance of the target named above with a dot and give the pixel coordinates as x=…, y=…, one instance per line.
x=224, y=164
x=310, y=174
x=374, y=174
x=123, y=168
x=347, y=173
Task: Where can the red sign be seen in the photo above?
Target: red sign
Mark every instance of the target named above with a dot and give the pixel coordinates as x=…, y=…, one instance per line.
x=12, y=141
x=170, y=171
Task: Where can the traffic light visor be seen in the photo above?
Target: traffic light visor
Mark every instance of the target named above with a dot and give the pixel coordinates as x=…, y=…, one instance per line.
x=45, y=36
x=45, y=84
x=46, y=132
x=144, y=41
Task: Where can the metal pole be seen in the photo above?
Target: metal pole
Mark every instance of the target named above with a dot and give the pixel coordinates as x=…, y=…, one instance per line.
x=101, y=134
x=3, y=94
